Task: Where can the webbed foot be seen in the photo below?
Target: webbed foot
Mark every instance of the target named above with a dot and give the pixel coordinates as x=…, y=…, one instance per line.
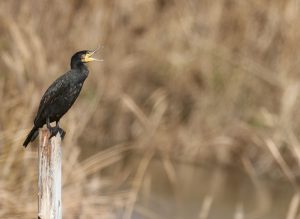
x=55, y=130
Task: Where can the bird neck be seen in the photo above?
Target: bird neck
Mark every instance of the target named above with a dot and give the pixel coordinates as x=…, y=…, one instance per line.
x=78, y=65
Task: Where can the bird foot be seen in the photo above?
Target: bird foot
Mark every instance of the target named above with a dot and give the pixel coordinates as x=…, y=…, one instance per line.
x=55, y=130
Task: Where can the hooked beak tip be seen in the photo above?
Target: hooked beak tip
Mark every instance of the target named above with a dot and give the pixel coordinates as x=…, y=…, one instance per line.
x=94, y=51
x=91, y=53
x=99, y=60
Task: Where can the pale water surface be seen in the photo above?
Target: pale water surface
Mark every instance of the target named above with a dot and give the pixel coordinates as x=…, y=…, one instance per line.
x=213, y=193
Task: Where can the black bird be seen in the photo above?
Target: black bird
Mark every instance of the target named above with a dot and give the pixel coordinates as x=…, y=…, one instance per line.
x=61, y=95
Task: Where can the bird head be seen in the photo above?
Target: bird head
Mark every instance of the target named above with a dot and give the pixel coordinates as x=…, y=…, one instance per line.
x=86, y=55
x=83, y=56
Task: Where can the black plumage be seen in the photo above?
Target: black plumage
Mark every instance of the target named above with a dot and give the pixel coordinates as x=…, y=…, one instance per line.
x=61, y=95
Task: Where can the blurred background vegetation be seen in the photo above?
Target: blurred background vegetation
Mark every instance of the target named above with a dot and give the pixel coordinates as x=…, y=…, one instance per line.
x=196, y=82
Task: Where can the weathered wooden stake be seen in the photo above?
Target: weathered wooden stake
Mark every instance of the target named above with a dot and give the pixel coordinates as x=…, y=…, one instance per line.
x=49, y=193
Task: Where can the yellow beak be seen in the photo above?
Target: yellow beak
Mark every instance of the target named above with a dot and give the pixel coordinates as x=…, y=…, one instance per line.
x=88, y=57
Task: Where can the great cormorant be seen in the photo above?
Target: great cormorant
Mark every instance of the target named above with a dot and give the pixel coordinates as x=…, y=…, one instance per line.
x=61, y=95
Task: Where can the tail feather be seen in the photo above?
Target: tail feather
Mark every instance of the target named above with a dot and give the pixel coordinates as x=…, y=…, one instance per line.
x=31, y=136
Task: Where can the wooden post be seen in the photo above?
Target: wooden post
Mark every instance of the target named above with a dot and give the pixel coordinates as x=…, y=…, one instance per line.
x=49, y=185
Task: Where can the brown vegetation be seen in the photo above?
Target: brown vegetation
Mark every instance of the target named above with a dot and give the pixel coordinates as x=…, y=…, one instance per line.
x=194, y=81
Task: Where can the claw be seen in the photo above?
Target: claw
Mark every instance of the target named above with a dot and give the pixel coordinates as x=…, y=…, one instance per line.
x=62, y=133
x=55, y=130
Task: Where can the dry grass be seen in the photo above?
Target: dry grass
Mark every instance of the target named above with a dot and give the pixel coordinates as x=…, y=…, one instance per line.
x=196, y=81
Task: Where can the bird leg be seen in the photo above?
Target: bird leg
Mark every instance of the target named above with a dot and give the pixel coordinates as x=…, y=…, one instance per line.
x=60, y=130
x=54, y=130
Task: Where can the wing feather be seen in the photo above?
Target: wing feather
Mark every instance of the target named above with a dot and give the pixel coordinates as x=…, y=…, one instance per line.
x=55, y=90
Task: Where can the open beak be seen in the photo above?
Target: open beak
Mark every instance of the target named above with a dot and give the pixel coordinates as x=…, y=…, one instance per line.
x=88, y=57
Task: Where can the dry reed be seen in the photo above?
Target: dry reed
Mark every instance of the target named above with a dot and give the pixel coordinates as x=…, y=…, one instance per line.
x=209, y=81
